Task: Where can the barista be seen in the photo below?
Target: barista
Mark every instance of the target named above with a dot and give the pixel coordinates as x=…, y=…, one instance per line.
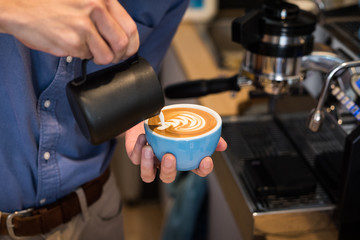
x=46, y=165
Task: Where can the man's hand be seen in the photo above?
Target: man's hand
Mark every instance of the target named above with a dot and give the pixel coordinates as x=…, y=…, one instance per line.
x=142, y=154
x=98, y=29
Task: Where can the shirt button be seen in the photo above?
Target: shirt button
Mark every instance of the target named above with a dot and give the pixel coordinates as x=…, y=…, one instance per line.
x=42, y=201
x=69, y=59
x=47, y=103
x=46, y=155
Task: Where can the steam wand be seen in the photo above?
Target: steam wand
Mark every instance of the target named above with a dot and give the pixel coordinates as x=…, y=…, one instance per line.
x=317, y=115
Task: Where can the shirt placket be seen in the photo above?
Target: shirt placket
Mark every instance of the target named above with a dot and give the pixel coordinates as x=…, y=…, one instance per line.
x=48, y=170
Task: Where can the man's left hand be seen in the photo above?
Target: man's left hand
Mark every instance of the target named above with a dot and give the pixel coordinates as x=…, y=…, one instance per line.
x=142, y=154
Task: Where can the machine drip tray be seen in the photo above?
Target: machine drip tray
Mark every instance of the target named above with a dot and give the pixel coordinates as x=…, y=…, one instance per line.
x=281, y=164
x=280, y=176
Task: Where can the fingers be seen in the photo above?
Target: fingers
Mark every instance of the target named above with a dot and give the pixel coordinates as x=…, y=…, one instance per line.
x=128, y=26
x=206, y=165
x=168, y=168
x=100, y=51
x=132, y=138
x=119, y=33
x=135, y=154
x=142, y=154
x=222, y=145
x=205, y=168
x=147, y=165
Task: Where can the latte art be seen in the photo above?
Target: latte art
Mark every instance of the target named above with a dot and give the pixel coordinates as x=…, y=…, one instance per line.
x=183, y=122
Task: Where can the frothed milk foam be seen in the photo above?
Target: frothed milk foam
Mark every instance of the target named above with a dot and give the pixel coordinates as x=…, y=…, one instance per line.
x=183, y=122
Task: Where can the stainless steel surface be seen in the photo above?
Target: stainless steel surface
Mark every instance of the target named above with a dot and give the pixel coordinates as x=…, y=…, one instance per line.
x=235, y=195
x=284, y=40
x=320, y=61
x=288, y=224
x=274, y=74
x=303, y=217
x=285, y=224
x=316, y=117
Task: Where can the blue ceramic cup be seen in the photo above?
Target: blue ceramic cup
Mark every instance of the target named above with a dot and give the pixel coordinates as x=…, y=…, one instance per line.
x=189, y=151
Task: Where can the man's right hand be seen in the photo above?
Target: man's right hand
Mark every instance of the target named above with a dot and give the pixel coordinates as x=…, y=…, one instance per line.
x=98, y=29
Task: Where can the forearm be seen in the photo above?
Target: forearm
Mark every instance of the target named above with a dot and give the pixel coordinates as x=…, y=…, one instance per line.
x=162, y=35
x=157, y=21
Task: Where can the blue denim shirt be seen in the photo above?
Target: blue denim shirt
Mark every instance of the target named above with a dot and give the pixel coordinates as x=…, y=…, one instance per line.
x=43, y=155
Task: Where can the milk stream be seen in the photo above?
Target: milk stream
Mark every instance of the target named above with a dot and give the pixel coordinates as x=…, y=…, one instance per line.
x=162, y=119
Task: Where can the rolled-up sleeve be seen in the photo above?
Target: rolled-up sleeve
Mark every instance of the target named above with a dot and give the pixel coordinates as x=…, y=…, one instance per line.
x=157, y=22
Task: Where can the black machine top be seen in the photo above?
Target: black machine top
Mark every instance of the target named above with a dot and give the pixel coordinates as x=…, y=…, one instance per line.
x=285, y=19
x=276, y=19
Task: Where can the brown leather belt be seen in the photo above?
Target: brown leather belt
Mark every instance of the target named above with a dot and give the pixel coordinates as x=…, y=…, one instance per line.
x=31, y=222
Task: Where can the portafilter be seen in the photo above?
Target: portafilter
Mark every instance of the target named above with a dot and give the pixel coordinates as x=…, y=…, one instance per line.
x=275, y=37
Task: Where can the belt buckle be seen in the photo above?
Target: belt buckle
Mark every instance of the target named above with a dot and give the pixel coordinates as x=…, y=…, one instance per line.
x=9, y=224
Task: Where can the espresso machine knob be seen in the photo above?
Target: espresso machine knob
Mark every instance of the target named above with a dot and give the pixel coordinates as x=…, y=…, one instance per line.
x=275, y=38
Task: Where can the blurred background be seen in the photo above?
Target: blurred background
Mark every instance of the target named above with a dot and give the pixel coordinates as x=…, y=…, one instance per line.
x=203, y=48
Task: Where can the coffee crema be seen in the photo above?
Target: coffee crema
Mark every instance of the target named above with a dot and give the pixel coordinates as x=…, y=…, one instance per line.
x=183, y=122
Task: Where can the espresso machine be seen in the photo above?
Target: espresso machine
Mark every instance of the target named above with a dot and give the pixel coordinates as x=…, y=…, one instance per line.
x=295, y=171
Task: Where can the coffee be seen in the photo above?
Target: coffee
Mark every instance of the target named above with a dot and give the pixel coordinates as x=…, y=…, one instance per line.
x=190, y=132
x=183, y=122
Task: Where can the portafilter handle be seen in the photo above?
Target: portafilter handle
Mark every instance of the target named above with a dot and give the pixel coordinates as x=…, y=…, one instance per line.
x=203, y=87
x=317, y=115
